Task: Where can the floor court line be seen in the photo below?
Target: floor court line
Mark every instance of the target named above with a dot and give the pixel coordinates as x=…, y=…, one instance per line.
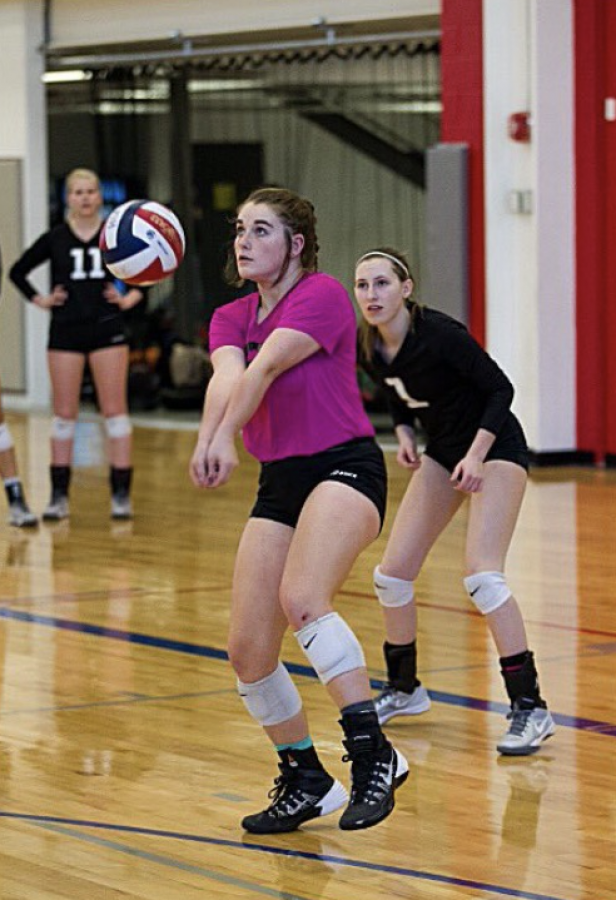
x=119, y=701
x=607, y=729
x=123, y=594
x=169, y=862
x=475, y=614
x=77, y=597
x=65, y=826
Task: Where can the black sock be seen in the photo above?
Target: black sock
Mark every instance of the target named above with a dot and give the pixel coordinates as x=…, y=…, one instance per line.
x=14, y=491
x=521, y=679
x=401, y=661
x=120, y=480
x=60, y=480
x=361, y=727
x=363, y=708
x=303, y=759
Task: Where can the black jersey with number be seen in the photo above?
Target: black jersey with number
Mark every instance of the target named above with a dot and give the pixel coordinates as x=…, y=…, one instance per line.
x=77, y=265
x=445, y=380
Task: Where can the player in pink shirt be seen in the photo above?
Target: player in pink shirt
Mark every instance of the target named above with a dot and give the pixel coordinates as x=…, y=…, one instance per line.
x=284, y=375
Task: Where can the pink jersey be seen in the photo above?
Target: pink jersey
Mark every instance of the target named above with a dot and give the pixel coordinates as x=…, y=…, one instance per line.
x=316, y=404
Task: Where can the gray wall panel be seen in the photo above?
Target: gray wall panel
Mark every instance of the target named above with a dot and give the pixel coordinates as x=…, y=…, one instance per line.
x=446, y=282
x=12, y=362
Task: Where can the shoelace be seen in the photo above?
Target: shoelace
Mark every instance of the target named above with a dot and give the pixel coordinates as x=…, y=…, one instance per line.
x=519, y=721
x=369, y=778
x=281, y=795
x=285, y=795
x=384, y=694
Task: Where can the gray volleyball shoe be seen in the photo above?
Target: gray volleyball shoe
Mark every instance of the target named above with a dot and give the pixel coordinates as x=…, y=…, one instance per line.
x=390, y=703
x=528, y=728
x=20, y=515
x=57, y=509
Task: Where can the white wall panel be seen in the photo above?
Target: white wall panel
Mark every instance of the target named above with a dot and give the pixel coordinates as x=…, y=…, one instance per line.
x=528, y=65
x=23, y=138
x=96, y=22
x=511, y=256
x=555, y=223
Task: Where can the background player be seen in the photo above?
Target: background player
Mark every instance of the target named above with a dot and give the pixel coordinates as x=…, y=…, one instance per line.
x=19, y=512
x=436, y=373
x=86, y=325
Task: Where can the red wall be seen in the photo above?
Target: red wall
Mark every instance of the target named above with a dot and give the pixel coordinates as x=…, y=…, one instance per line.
x=595, y=154
x=590, y=281
x=462, y=122
x=609, y=246
x=595, y=192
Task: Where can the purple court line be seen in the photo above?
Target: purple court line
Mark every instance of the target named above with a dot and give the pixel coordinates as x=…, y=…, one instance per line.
x=132, y=637
x=79, y=597
x=279, y=851
x=461, y=611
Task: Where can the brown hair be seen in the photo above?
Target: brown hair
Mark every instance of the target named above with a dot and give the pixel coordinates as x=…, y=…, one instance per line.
x=368, y=334
x=297, y=216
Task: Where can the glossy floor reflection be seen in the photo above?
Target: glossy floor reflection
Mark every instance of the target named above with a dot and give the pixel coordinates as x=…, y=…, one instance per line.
x=127, y=760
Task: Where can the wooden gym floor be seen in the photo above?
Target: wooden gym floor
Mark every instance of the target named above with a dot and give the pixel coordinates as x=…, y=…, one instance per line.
x=127, y=761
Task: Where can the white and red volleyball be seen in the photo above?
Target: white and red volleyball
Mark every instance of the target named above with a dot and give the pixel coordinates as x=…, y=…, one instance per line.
x=142, y=242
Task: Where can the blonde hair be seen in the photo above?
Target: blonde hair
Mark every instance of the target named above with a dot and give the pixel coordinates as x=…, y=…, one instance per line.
x=75, y=174
x=69, y=185
x=368, y=334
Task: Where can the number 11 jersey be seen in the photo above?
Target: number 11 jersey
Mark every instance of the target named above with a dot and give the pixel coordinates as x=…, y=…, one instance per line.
x=77, y=266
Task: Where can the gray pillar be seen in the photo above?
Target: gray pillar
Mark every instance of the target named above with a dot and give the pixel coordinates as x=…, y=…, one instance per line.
x=446, y=282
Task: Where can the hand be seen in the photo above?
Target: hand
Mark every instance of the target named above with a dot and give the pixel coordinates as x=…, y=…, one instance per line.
x=222, y=459
x=407, y=455
x=58, y=297
x=197, y=468
x=468, y=475
x=113, y=295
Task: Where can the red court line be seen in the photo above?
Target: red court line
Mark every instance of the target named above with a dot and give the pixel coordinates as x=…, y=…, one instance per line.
x=460, y=611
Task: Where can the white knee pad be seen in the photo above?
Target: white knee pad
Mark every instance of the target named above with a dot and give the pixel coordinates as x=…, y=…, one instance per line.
x=487, y=590
x=118, y=426
x=273, y=699
x=331, y=647
x=392, y=591
x=62, y=429
x=6, y=438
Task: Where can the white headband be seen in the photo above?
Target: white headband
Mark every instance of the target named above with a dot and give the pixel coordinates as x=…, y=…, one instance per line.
x=393, y=259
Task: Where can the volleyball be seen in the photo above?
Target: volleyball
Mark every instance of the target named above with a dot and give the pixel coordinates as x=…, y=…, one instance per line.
x=142, y=242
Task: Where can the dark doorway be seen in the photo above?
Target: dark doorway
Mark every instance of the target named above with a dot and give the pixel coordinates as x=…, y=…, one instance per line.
x=224, y=174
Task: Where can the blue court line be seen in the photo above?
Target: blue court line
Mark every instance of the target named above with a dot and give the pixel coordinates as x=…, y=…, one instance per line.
x=131, y=637
x=146, y=640
x=275, y=851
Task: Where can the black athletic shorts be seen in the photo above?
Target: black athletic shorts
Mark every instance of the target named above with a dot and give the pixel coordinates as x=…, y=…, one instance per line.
x=284, y=485
x=88, y=336
x=510, y=445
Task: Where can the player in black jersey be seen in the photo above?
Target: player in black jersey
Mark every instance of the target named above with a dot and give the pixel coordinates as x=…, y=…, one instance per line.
x=19, y=511
x=20, y=514
x=86, y=324
x=434, y=373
